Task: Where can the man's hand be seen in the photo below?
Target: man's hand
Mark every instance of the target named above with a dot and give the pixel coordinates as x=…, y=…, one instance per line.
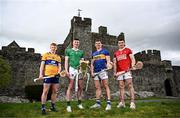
x=57, y=75
x=67, y=74
x=115, y=74
x=110, y=65
x=40, y=76
x=133, y=67
x=92, y=75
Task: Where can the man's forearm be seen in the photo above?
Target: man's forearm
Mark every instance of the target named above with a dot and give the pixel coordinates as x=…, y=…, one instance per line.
x=108, y=59
x=133, y=61
x=66, y=67
x=59, y=69
x=41, y=70
x=92, y=69
x=66, y=64
x=115, y=67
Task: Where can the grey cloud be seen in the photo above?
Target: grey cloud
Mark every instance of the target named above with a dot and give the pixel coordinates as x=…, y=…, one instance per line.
x=147, y=24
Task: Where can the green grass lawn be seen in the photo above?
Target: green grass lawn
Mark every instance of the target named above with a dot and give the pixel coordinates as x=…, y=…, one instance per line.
x=144, y=109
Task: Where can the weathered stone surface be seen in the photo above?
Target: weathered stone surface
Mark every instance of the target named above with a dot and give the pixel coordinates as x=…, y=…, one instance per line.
x=144, y=94
x=140, y=94
x=14, y=99
x=157, y=76
x=25, y=67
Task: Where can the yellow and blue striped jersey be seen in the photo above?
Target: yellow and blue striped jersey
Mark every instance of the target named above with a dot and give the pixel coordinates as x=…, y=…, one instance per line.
x=52, y=62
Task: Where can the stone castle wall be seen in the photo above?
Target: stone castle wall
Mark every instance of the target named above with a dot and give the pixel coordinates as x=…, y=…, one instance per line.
x=25, y=67
x=152, y=77
x=157, y=76
x=176, y=78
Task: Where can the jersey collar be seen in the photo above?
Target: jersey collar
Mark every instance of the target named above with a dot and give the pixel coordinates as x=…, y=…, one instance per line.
x=99, y=50
x=75, y=49
x=122, y=49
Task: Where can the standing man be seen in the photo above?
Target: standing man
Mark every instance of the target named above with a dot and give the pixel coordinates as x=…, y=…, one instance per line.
x=100, y=60
x=50, y=66
x=123, y=61
x=72, y=63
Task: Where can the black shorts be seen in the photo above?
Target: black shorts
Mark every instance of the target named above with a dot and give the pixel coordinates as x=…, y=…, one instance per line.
x=53, y=80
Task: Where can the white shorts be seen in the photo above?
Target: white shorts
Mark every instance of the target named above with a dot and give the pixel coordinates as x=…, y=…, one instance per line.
x=101, y=76
x=73, y=73
x=125, y=76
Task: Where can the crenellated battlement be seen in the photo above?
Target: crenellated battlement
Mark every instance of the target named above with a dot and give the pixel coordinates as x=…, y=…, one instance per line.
x=149, y=55
x=14, y=52
x=13, y=47
x=81, y=22
x=102, y=30
x=168, y=65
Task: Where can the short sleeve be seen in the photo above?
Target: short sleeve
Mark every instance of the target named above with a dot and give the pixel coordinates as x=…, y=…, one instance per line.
x=44, y=57
x=106, y=52
x=130, y=51
x=67, y=52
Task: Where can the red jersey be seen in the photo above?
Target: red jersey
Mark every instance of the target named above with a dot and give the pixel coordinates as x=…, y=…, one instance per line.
x=123, y=59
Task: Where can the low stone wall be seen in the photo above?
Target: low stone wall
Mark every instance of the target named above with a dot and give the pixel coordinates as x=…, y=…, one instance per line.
x=15, y=99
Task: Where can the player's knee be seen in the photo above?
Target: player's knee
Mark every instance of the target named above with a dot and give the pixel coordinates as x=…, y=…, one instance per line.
x=55, y=92
x=98, y=88
x=130, y=85
x=80, y=88
x=45, y=92
x=106, y=86
x=70, y=86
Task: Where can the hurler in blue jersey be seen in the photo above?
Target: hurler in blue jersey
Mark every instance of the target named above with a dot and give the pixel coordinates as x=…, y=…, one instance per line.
x=100, y=60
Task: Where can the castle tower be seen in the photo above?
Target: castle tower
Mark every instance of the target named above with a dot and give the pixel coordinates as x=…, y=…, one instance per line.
x=81, y=29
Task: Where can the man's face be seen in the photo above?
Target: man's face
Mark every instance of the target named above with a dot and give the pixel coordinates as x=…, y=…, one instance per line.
x=98, y=44
x=121, y=44
x=76, y=43
x=53, y=48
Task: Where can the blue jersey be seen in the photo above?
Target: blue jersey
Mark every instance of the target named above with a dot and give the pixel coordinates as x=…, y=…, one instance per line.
x=100, y=60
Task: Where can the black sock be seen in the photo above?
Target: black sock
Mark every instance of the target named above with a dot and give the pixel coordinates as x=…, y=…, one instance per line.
x=43, y=106
x=52, y=105
x=79, y=101
x=68, y=103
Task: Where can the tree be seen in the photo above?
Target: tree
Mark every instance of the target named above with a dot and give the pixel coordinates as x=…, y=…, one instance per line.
x=5, y=73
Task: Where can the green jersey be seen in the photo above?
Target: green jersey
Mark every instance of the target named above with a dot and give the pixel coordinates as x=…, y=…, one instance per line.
x=74, y=57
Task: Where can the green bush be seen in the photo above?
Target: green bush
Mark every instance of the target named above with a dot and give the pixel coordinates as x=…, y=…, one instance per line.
x=5, y=73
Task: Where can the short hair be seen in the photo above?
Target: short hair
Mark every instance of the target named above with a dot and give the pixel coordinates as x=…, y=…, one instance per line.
x=76, y=39
x=53, y=44
x=121, y=39
x=97, y=40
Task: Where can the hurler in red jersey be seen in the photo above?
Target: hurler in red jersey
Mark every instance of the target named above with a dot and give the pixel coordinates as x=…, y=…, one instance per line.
x=123, y=61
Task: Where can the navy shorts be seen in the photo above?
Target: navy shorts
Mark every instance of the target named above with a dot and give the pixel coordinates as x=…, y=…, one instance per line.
x=53, y=80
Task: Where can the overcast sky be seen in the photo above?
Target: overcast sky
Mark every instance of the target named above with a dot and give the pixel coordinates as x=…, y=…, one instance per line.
x=147, y=24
